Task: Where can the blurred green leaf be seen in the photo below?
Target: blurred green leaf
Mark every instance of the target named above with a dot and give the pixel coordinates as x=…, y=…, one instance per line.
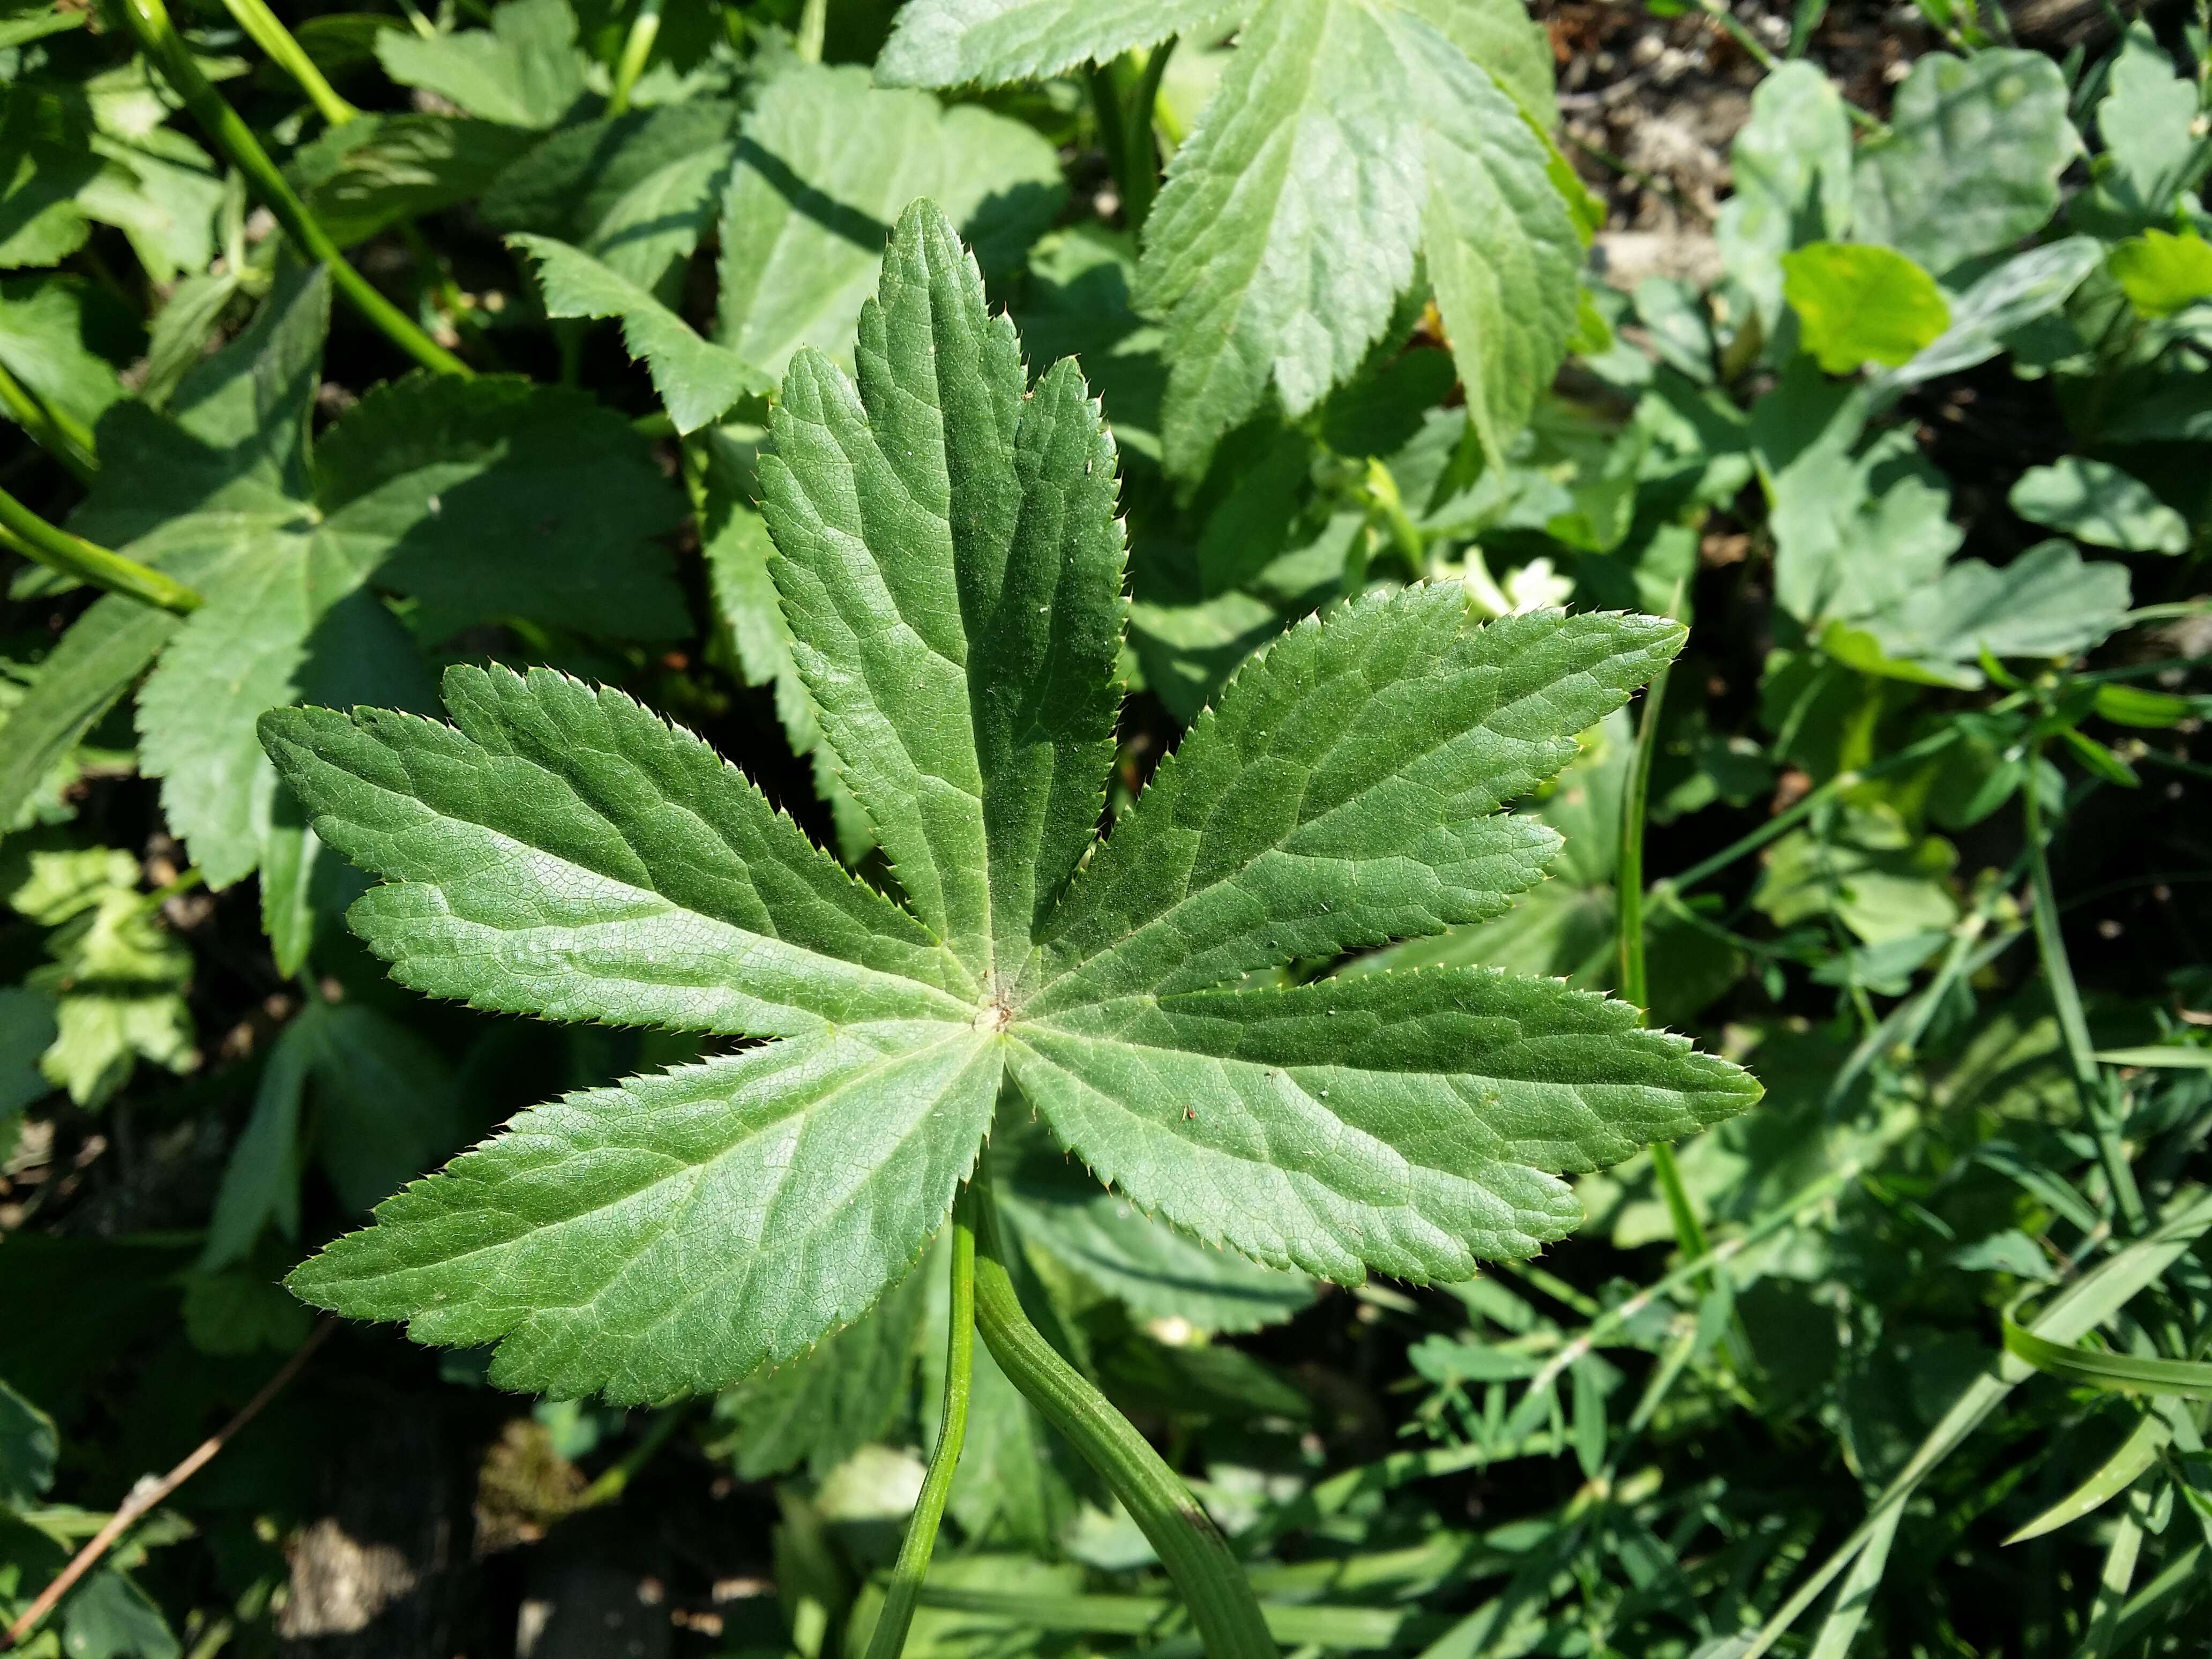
x=987, y=43
x=2161, y=272
x=1259, y=289
x=2095, y=502
x=381, y=170
x=697, y=379
x=2147, y=120
x=1792, y=169
x=2124, y=1373
x=28, y=1448
x=525, y=70
x=1858, y=304
x=634, y=192
x=2049, y=602
x=2114, y=1476
x=828, y=161
x=1972, y=160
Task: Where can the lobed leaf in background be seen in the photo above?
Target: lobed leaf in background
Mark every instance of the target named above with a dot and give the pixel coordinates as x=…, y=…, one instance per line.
x=1346, y=142
x=470, y=498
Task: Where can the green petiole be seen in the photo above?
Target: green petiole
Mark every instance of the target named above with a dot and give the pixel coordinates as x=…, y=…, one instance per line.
x=904, y=1590
x=284, y=50
x=54, y=429
x=637, y=46
x=32, y=536
x=1194, y=1551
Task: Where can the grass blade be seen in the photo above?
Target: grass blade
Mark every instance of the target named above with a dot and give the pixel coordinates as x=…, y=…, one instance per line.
x=2136, y=1453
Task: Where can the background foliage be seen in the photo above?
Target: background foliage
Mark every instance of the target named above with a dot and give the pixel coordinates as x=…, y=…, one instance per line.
x=1903, y=411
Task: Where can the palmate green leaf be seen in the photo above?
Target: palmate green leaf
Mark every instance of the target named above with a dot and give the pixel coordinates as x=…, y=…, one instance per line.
x=737, y=549
x=697, y=379
x=1348, y=137
x=988, y=43
x=950, y=568
x=480, y=500
x=986, y=649
x=1401, y=1121
x=566, y=852
x=1567, y=928
x=1343, y=797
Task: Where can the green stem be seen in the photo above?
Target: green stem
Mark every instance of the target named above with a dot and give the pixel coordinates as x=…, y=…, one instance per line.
x=616, y=1481
x=1602, y=1329
x=1196, y=1556
x=261, y=24
x=1377, y=491
x=149, y=19
x=185, y=883
x=1812, y=800
x=74, y=556
x=904, y=1591
x=1689, y=1230
x=2090, y=1081
x=1123, y=97
x=813, y=26
x=1144, y=154
x=637, y=46
x=55, y=431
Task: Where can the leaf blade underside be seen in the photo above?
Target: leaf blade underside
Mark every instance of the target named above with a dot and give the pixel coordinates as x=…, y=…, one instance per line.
x=1405, y=1122
x=568, y=854
x=952, y=572
x=1339, y=796
x=680, y=1229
